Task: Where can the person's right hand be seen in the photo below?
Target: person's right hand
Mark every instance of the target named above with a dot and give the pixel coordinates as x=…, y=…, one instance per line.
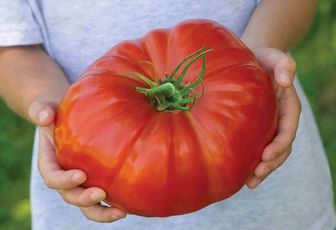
x=67, y=183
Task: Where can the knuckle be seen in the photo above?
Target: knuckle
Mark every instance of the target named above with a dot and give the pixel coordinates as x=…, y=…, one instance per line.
x=83, y=202
x=48, y=183
x=282, y=143
x=39, y=164
x=299, y=104
x=290, y=62
x=259, y=172
x=42, y=174
x=293, y=138
x=70, y=200
x=269, y=168
x=66, y=199
x=283, y=159
x=287, y=154
x=39, y=167
x=88, y=216
x=264, y=171
x=85, y=213
x=280, y=162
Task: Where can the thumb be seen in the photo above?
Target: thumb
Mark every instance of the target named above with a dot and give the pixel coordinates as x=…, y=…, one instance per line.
x=42, y=113
x=281, y=64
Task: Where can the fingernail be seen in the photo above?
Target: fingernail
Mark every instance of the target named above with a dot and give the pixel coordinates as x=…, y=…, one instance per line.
x=284, y=78
x=96, y=196
x=77, y=177
x=43, y=115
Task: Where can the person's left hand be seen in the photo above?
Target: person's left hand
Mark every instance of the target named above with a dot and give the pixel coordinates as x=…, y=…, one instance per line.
x=283, y=68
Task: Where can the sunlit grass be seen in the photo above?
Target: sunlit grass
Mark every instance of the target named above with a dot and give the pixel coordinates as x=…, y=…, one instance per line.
x=21, y=211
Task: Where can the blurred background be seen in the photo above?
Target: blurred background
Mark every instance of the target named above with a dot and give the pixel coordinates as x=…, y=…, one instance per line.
x=316, y=59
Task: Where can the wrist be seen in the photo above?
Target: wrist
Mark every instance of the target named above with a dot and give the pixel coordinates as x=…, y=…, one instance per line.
x=254, y=44
x=50, y=96
x=29, y=75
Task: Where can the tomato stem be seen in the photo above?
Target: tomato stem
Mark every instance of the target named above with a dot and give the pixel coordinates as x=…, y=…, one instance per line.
x=170, y=94
x=166, y=89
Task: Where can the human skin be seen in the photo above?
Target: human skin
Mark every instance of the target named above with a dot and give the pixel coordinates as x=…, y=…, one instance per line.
x=35, y=84
x=32, y=85
x=274, y=28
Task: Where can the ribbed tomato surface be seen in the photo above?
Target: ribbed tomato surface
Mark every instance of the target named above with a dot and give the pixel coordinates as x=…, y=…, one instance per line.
x=155, y=163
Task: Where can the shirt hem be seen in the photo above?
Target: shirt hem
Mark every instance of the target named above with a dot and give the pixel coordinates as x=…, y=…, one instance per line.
x=20, y=37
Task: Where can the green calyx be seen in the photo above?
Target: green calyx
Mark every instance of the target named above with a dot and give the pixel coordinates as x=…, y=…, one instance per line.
x=169, y=93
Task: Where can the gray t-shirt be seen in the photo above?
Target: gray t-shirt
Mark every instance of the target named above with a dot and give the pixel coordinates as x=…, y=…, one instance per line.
x=296, y=196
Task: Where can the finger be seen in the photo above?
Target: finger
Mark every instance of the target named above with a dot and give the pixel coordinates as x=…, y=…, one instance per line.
x=103, y=214
x=82, y=197
x=281, y=64
x=54, y=177
x=289, y=114
x=285, y=70
x=41, y=113
x=264, y=169
x=267, y=167
x=253, y=182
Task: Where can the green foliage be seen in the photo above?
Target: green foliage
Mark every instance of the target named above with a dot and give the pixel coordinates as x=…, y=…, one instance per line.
x=315, y=56
x=15, y=157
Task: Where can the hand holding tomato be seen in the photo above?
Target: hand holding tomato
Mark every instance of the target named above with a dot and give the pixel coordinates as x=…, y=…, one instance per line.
x=66, y=182
x=282, y=67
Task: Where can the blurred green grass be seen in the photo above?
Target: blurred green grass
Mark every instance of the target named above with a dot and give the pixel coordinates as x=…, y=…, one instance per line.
x=15, y=157
x=316, y=58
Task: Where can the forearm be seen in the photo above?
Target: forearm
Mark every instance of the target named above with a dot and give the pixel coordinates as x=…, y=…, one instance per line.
x=29, y=74
x=279, y=23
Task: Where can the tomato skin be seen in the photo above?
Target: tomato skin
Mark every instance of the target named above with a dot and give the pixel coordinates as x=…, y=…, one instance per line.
x=167, y=163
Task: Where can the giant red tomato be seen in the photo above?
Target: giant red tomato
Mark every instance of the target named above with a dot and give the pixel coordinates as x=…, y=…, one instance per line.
x=162, y=138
